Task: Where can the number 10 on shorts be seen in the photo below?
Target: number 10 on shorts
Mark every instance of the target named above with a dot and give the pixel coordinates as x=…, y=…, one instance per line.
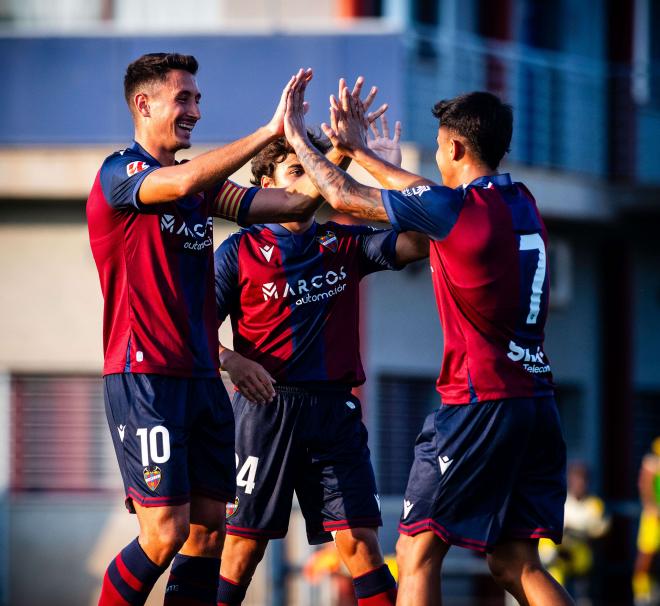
x=151, y=447
x=246, y=475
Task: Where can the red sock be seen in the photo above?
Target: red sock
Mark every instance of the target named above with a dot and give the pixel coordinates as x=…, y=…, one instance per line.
x=375, y=588
x=129, y=578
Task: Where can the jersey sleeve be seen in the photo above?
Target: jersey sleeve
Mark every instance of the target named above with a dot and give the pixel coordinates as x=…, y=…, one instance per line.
x=431, y=210
x=226, y=277
x=377, y=250
x=232, y=201
x=121, y=177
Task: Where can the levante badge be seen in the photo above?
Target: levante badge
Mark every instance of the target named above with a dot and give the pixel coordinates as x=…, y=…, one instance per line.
x=152, y=476
x=329, y=241
x=232, y=508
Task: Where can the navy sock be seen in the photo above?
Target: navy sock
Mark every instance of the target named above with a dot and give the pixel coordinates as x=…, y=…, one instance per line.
x=230, y=593
x=375, y=588
x=193, y=581
x=129, y=578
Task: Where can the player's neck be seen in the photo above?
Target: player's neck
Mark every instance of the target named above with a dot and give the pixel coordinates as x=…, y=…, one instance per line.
x=298, y=227
x=468, y=172
x=165, y=157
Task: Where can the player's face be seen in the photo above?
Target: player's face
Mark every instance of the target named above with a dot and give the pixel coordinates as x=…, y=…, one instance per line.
x=174, y=109
x=443, y=155
x=285, y=173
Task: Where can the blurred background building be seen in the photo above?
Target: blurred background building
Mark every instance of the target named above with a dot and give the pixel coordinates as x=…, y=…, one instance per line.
x=584, y=80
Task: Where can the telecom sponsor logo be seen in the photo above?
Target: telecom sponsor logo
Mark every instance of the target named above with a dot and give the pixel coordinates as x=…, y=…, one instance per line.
x=532, y=362
x=306, y=290
x=198, y=236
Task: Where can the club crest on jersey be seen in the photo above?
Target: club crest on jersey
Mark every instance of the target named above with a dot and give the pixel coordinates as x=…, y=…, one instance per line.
x=231, y=508
x=152, y=476
x=328, y=241
x=136, y=167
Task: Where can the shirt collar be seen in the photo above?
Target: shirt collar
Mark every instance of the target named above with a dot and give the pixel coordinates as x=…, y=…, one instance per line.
x=140, y=150
x=280, y=230
x=503, y=180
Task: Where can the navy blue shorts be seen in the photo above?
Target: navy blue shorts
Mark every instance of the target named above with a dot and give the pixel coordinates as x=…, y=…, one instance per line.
x=172, y=436
x=488, y=472
x=313, y=443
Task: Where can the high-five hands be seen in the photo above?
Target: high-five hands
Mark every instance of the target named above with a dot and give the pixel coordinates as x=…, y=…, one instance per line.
x=276, y=124
x=349, y=119
x=387, y=148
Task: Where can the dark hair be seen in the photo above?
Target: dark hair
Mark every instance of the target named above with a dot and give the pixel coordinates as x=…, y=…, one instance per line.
x=265, y=162
x=154, y=67
x=482, y=120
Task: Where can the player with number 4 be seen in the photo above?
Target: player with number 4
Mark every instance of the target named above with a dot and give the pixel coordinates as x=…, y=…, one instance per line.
x=489, y=467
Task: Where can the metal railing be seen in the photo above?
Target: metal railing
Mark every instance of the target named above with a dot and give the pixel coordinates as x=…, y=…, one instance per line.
x=570, y=113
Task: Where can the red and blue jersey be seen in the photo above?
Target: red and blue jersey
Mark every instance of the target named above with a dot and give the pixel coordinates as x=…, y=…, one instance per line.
x=155, y=263
x=293, y=298
x=489, y=271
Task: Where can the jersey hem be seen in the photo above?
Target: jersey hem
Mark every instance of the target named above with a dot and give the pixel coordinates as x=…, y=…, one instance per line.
x=133, y=495
x=184, y=373
x=445, y=535
x=490, y=396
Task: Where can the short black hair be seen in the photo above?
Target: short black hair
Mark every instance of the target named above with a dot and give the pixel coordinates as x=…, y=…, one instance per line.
x=483, y=120
x=265, y=162
x=154, y=67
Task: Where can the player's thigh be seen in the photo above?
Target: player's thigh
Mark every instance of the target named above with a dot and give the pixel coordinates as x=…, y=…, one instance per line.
x=539, y=493
x=211, y=455
x=207, y=527
x=465, y=465
x=268, y=453
x=340, y=461
x=163, y=528
x=146, y=414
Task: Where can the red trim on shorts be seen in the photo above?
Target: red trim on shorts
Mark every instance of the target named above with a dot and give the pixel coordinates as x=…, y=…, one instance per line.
x=534, y=533
x=251, y=533
x=134, y=495
x=331, y=525
x=444, y=534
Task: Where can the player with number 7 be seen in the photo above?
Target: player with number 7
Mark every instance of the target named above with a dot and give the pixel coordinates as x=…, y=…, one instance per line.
x=489, y=466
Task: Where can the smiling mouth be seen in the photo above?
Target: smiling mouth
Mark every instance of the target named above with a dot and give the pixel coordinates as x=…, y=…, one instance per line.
x=186, y=126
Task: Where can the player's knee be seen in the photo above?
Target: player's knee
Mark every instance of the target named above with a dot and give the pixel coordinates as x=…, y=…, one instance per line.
x=359, y=548
x=503, y=571
x=240, y=557
x=167, y=537
x=422, y=551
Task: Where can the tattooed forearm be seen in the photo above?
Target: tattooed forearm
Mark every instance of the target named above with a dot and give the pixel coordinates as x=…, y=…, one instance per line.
x=341, y=191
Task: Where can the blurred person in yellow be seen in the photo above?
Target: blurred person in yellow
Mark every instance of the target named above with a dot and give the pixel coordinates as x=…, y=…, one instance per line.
x=645, y=590
x=584, y=520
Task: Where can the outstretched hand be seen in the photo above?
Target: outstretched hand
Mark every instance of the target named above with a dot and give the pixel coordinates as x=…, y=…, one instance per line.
x=276, y=124
x=295, y=105
x=387, y=148
x=349, y=117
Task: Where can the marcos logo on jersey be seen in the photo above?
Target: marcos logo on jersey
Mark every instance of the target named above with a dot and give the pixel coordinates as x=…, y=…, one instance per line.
x=136, y=167
x=152, y=476
x=307, y=289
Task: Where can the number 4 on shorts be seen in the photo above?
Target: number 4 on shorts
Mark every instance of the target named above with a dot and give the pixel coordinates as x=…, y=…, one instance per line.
x=247, y=473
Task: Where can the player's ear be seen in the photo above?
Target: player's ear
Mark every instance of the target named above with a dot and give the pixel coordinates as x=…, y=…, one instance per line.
x=267, y=181
x=141, y=102
x=456, y=149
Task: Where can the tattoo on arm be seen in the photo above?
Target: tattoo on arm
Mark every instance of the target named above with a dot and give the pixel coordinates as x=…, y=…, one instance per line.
x=340, y=189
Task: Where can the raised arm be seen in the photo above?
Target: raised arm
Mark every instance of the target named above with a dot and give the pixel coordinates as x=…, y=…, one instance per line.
x=341, y=191
x=170, y=183
x=302, y=198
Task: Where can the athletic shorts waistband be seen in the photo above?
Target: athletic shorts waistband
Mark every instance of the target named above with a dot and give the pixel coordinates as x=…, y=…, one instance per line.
x=312, y=387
